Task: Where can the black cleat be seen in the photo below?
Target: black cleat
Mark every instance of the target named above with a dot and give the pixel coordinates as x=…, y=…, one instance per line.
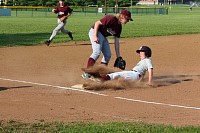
x=48, y=42
x=70, y=35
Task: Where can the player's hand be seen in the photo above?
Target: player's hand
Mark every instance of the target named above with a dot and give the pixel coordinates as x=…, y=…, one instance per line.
x=54, y=10
x=96, y=39
x=149, y=84
x=63, y=18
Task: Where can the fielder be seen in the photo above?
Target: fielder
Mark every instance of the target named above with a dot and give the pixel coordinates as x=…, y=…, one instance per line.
x=110, y=25
x=63, y=12
x=138, y=72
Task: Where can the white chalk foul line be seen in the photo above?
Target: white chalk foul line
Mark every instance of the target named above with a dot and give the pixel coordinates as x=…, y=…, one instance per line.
x=156, y=103
x=60, y=87
x=95, y=93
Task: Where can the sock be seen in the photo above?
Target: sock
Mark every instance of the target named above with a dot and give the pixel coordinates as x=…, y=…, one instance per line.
x=107, y=77
x=91, y=62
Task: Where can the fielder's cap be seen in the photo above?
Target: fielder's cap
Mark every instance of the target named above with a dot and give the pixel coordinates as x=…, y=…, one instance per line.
x=127, y=13
x=145, y=49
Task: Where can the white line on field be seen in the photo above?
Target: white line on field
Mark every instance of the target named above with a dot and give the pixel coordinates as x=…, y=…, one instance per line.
x=60, y=87
x=156, y=103
x=95, y=93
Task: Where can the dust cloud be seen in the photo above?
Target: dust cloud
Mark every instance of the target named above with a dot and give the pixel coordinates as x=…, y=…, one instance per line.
x=118, y=84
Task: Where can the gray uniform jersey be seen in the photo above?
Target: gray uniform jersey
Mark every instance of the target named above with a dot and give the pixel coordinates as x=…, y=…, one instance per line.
x=143, y=66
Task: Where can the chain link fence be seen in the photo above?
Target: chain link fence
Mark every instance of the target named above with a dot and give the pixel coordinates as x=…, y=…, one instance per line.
x=24, y=11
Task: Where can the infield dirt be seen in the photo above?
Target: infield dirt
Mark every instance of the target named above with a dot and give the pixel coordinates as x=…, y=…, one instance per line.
x=47, y=70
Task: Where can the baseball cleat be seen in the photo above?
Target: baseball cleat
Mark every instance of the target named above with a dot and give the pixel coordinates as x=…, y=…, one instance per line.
x=86, y=75
x=70, y=35
x=48, y=42
x=95, y=79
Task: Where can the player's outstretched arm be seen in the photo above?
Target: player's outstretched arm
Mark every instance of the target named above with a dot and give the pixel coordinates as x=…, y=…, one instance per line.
x=116, y=41
x=150, y=77
x=54, y=10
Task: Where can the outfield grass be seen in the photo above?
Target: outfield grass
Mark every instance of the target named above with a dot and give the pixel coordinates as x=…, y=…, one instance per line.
x=35, y=30
x=114, y=127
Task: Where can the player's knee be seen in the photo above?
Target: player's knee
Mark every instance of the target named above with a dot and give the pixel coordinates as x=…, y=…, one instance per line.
x=95, y=55
x=55, y=30
x=63, y=31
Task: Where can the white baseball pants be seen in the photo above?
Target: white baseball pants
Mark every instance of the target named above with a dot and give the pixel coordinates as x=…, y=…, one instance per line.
x=132, y=75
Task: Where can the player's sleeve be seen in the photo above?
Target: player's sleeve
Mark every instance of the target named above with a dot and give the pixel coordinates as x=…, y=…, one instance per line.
x=56, y=10
x=70, y=10
x=149, y=64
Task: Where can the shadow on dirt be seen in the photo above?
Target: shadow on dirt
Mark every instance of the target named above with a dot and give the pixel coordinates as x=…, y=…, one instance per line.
x=175, y=76
x=173, y=79
x=17, y=87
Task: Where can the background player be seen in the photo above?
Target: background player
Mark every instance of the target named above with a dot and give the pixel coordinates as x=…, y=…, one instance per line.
x=138, y=72
x=110, y=25
x=63, y=12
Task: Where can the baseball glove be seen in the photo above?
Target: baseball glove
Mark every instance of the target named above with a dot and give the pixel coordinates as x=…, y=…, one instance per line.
x=120, y=63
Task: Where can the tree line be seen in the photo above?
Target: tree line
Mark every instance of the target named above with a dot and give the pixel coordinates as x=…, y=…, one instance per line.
x=99, y=3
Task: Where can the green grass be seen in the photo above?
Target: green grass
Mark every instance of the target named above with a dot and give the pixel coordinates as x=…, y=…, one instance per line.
x=26, y=29
x=114, y=127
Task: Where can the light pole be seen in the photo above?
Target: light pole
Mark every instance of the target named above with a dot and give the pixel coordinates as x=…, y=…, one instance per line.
x=105, y=6
x=116, y=6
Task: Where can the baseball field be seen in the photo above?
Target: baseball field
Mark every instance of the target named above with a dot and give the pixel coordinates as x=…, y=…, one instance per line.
x=36, y=93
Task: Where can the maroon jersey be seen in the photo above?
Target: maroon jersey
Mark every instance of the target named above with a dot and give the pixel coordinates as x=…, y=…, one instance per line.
x=62, y=11
x=110, y=26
